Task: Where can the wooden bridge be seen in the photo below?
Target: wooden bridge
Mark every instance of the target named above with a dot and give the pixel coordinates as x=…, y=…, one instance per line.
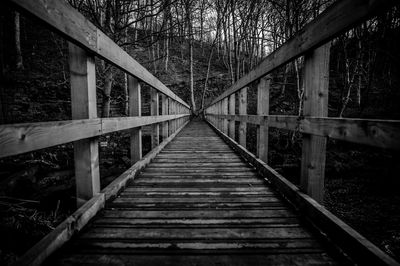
x=199, y=197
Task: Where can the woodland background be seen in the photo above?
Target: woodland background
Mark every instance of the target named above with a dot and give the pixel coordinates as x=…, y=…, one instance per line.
x=198, y=48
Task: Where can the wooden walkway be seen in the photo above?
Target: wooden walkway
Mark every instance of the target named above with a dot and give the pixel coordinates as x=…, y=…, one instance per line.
x=197, y=203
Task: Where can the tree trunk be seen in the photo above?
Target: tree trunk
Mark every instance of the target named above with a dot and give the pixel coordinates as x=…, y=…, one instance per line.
x=108, y=75
x=207, y=76
x=18, y=57
x=190, y=43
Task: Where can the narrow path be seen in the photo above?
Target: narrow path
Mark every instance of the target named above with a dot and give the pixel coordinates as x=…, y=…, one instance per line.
x=197, y=203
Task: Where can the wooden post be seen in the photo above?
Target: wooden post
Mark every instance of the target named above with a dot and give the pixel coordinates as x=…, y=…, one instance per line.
x=263, y=109
x=164, y=109
x=316, y=83
x=224, y=104
x=171, y=122
x=242, y=111
x=232, y=112
x=83, y=105
x=135, y=110
x=154, y=111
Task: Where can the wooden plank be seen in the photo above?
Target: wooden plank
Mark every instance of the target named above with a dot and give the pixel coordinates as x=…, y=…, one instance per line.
x=198, y=259
x=372, y=132
x=243, y=111
x=119, y=183
x=232, y=112
x=63, y=232
x=193, y=214
x=263, y=109
x=83, y=105
x=164, y=108
x=135, y=109
x=355, y=245
x=378, y=133
x=72, y=25
x=316, y=84
x=122, y=123
x=155, y=136
x=339, y=17
x=20, y=138
x=199, y=233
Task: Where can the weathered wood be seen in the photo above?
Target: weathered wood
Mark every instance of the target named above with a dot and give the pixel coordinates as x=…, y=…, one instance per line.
x=83, y=106
x=232, y=112
x=339, y=17
x=60, y=16
x=224, y=111
x=373, y=132
x=155, y=130
x=74, y=223
x=119, y=183
x=243, y=111
x=263, y=109
x=355, y=245
x=197, y=208
x=122, y=123
x=378, y=133
x=135, y=109
x=316, y=83
x=20, y=138
x=164, y=108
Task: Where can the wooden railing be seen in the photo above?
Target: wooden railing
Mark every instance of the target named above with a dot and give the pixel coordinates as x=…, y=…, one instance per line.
x=86, y=42
x=314, y=43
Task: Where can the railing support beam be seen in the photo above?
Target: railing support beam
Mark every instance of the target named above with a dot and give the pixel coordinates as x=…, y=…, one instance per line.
x=154, y=111
x=83, y=105
x=242, y=111
x=135, y=110
x=316, y=83
x=263, y=109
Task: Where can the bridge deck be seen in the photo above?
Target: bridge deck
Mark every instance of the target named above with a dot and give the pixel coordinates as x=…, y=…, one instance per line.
x=197, y=203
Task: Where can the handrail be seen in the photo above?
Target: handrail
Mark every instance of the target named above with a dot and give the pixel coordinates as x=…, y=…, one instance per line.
x=314, y=125
x=71, y=24
x=25, y=137
x=86, y=42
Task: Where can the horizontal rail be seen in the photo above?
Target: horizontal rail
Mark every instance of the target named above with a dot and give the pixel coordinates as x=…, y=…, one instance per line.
x=361, y=249
x=20, y=138
x=71, y=24
x=373, y=132
x=338, y=18
x=74, y=223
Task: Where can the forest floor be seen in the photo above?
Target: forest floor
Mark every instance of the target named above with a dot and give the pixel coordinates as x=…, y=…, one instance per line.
x=37, y=189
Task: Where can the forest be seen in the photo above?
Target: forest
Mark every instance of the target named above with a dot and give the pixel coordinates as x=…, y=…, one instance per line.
x=198, y=49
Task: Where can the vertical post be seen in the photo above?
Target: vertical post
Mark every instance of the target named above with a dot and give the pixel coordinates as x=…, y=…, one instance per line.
x=232, y=112
x=263, y=109
x=316, y=83
x=135, y=110
x=171, y=112
x=242, y=111
x=164, y=109
x=224, y=105
x=154, y=111
x=83, y=105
